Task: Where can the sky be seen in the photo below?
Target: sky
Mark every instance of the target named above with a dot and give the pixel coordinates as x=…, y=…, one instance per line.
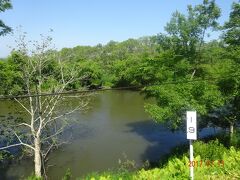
x=90, y=22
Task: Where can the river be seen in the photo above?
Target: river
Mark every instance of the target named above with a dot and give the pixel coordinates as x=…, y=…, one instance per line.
x=115, y=127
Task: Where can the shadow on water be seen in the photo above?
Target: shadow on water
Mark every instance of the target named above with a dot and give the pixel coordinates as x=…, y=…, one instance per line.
x=20, y=165
x=162, y=140
x=4, y=175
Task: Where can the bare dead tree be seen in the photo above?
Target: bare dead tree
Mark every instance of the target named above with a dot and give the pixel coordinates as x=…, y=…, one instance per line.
x=46, y=121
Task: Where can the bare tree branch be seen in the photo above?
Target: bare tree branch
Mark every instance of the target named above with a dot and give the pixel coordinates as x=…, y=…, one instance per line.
x=60, y=130
x=23, y=106
x=9, y=146
x=17, y=144
x=43, y=111
x=25, y=144
x=24, y=124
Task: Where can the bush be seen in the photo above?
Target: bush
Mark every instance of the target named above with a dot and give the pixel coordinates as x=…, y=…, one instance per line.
x=33, y=177
x=68, y=175
x=111, y=175
x=212, y=150
x=225, y=139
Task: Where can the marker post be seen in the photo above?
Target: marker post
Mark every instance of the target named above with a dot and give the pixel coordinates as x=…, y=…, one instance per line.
x=191, y=135
x=191, y=159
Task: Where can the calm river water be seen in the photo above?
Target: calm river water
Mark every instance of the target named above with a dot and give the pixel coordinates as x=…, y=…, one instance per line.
x=115, y=127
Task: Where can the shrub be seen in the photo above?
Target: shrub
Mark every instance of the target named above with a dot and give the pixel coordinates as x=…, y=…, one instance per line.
x=209, y=151
x=33, y=177
x=68, y=175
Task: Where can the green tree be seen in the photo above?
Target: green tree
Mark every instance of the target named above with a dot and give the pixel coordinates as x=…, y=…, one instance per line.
x=186, y=33
x=181, y=61
x=4, y=5
x=11, y=75
x=229, y=115
x=232, y=27
x=227, y=73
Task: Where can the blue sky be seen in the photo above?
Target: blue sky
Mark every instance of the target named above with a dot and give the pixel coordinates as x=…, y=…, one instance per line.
x=89, y=22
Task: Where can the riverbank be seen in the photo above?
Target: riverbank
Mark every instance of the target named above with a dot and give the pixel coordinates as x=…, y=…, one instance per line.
x=214, y=159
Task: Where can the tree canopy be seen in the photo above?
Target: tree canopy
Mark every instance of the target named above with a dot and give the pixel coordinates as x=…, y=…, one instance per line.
x=4, y=5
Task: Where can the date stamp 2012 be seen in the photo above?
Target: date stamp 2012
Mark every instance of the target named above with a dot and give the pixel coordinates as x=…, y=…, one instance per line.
x=206, y=163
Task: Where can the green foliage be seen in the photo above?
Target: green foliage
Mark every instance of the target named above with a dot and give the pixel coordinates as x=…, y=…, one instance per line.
x=210, y=148
x=232, y=35
x=190, y=59
x=68, y=175
x=5, y=155
x=11, y=75
x=235, y=139
x=213, y=150
x=229, y=85
x=109, y=176
x=229, y=140
x=4, y=5
x=174, y=99
x=187, y=32
x=92, y=73
x=33, y=177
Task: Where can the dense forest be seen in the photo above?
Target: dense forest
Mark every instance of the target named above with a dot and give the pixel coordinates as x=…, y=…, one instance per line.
x=181, y=69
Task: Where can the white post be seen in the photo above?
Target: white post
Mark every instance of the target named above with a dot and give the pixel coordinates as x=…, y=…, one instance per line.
x=191, y=159
x=191, y=135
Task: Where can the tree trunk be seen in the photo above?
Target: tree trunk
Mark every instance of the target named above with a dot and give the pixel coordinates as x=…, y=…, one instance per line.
x=37, y=157
x=231, y=129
